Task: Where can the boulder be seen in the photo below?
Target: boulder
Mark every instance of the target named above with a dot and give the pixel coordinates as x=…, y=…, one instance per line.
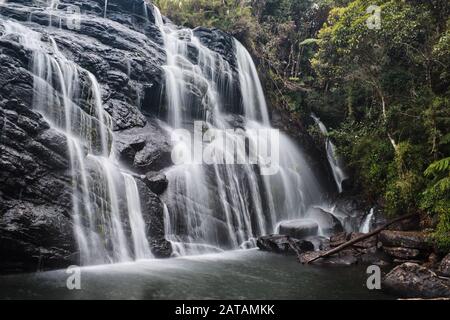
x=161, y=248
x=403, y=253
x=328, y=223
x=145, y=149
x=157, y=182
x=299, y=229
x=444, y=266
x=406, y=239
x=410, y=280
x=283, y=244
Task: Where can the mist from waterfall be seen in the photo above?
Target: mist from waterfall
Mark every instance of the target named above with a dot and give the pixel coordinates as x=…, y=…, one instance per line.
x=335, y=162
x=221, y=206
x=107, y=215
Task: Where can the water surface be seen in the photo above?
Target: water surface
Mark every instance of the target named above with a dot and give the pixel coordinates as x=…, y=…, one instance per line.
x=250, y=274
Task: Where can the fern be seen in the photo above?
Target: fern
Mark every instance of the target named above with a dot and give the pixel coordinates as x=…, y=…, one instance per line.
x=443, y=185
x=438, y=167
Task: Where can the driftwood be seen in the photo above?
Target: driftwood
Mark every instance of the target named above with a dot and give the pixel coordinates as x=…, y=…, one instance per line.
x=361, y=238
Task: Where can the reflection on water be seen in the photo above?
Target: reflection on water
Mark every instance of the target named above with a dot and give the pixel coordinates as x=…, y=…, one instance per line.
x=247, y=274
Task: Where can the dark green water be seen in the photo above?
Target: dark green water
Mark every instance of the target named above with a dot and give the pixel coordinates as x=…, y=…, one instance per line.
x=233, y=275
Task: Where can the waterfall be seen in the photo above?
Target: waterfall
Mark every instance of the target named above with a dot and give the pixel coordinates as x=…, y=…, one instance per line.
x=218, y=206
x=141, y=246
x=106, y=9
x=334, y=161
x=367, y=223
x=255, y=106
x=210, y=206
x=102, y=191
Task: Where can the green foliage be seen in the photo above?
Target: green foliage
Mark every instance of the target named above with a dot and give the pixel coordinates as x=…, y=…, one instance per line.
x=436, y=199
x=385, y=91
x=233, y=16
x=438, y=167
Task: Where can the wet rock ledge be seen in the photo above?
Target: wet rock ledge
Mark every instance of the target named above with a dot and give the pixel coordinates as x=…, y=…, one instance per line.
x=413, y=268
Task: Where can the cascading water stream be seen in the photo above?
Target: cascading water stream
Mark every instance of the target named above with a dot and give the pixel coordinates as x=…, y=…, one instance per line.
x=334, y=161
x=218, y=206
x=367, y=223
x=105, y=9
x=100, y=187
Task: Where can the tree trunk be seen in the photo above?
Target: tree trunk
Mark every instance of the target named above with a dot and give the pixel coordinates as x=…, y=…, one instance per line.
x=383, y=105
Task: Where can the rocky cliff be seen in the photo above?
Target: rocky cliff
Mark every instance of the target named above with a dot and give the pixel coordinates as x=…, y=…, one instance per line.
x=122, y=48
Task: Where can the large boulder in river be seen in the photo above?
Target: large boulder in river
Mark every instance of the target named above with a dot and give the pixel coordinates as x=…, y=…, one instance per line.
x=283, y=244
x=411, y=280
x=299, y=229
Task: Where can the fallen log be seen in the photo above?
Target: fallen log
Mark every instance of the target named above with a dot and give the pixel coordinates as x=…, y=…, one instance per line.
x=361, y=238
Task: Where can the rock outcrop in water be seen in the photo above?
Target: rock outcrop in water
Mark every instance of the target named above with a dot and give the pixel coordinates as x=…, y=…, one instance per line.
x=124, y=52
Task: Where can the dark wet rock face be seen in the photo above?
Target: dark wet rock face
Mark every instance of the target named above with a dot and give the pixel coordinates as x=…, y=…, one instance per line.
x=328, y=222
x=35, y=192
x=217, y=41
x=124, y=53
x=411, y=280
x=157, y=182
x=145, y=149
x=283, y=244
